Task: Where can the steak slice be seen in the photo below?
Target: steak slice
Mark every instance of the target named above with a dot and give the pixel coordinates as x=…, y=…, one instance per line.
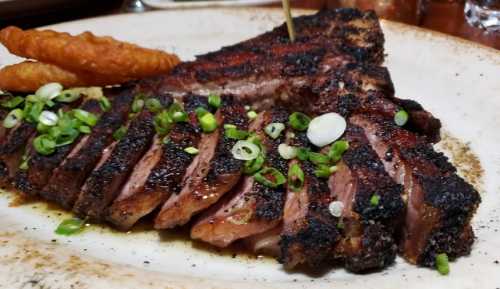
x=440, y=204
x=156, y=177
x=40, y=167
x=251, y=208
x=372, y=206
x=309, y=230
x=68, y=178
x=213, y=172
x=104, y=183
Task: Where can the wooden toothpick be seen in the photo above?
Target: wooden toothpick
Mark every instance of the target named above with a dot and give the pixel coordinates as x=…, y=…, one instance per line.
x=289, y=19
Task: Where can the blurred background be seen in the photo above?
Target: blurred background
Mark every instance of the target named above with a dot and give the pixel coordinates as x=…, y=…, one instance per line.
x=475, y=20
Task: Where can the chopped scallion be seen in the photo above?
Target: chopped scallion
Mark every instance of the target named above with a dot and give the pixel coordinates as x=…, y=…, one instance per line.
x=84, y=129
x=252, y=166
x=177, y=113
x=374, y=200
x=85, y=116
x=120, y=133
x=44, y=144
x=163, y=122
x=13, y=102
x=322, y=171
x=287, y=152
x=48, y=118
x=208, y=123
x=214, y=100
x=299, y=121
x=337, y=150
x=49, y=90
x=104, y=103
x=191, y=150
x=274, y=130
x=442, y=264
x=401, y=117
x=234, y=133
x=270, y=177
x=13, y=118
x=68, y=95
x=153, y=105
x=137, y=105
x=70, y=226
x=251, y=114
x=318, y=159
x=245, y=150
x=295, y=177
x=303, y=153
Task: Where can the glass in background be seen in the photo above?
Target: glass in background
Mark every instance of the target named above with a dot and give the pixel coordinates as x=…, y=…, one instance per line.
x=408, y=11
x=484, y=14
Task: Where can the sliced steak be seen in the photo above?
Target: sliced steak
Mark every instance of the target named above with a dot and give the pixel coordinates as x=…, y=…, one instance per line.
x=251, y=208
x=213, y=172
x=156, y=177
x=309, y=230
x=68, y=178
x=40, y=167
x=372, y=206
x=104, y=183
x=440, y=204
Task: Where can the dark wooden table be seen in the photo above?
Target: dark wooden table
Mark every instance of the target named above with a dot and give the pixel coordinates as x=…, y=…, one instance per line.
x=440, y=15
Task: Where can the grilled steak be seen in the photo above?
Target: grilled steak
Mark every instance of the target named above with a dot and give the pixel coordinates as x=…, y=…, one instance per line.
x=440, y=204
x=251, y=208
x=157, y=176
x=212, y=174
x=67, y=180
x=40, y=167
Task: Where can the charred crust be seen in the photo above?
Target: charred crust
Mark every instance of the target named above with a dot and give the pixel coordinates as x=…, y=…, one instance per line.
x=347, y=104
x=223, y=162
x=269, y=202
x=305, y=63
x=425, y=152
x=192, y=102
x=378, y=250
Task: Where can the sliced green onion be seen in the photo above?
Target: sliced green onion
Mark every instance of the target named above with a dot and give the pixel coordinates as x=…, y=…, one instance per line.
x=177, y=113
x=374, y=200
x=13, y=102
x=200, y=111
x=24, y=163
x=84, y=129
x=214, y=100
x=302, y=153
x=120, y=133
x=104, y=103
x=274, y=130
x=318, y=159
x=252, y=166
x=326, y=128
x=85, y=116
x=70, y=226
x=44, y=144
x=33, y=98
x=41, y=128
x=251, y=114
x=234, y=133
x=322, y=171
x=153, y=105
x=337, y=150
x=32, y=111
x=333, y=169
x=245, y=150
x=163, y=122
x=49, y=90
x=208, y=122
x=442, y=264
x=69, y=95
x=401, y=117
x=229, y=126
x=137, y=105
x=247, y=107
x=191, y=150
x=287, y=152
x=295, y=177
x=13, y=118
x=48, y=118
x=270, y=177
x=336, y=208
x=299, y=121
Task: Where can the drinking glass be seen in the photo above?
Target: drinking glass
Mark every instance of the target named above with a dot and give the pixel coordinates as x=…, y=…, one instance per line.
x=484, y=14
x=409, y=11
x=134, y=6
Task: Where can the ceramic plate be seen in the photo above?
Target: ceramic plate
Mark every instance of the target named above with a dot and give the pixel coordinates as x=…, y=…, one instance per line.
x=172, y=4
x=456, y=80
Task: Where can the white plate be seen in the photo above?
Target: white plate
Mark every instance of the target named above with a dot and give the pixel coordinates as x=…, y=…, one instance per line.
x=172, y=4
x=458, y=81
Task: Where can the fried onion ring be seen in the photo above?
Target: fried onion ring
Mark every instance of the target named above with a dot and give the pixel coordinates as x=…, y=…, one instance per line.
x=87, y=52
x=28, y=76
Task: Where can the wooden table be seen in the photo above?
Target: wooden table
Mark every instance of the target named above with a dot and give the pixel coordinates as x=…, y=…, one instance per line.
x=440, y=15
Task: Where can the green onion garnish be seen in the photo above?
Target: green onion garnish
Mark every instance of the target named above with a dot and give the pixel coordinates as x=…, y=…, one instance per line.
x=191, y=150
x=163, y=122
x=153, y=105
x=32, y=111
x=234, y=133
x=287, y=152
x=177, y=113
x=68, y=95
x=44, y=144
x=137, y=105
x=70, y=226
x=374, y=200
x=24, y=162
x=229, y=126
x=401, y=117
x=207, y=121
x=200, y=111
x=299, y=121
x=48, y=118
x=85, y=116
x=120, y=133
x=251, y=114
x=252, y=166
x=270, y=177
x=245, y=150
x=302, y=153
x=104, y=103
x=13, y=102
x=318, y=159
x=13, y=118
x=442, y=264
x=49, y=91
x=295, y=177
x=84, y=129
x=274, y=130
x=214, y=100
x=322, y=171
x=337, y=150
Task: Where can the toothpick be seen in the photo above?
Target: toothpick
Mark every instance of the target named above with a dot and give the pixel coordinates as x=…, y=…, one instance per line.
x=289, y=19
